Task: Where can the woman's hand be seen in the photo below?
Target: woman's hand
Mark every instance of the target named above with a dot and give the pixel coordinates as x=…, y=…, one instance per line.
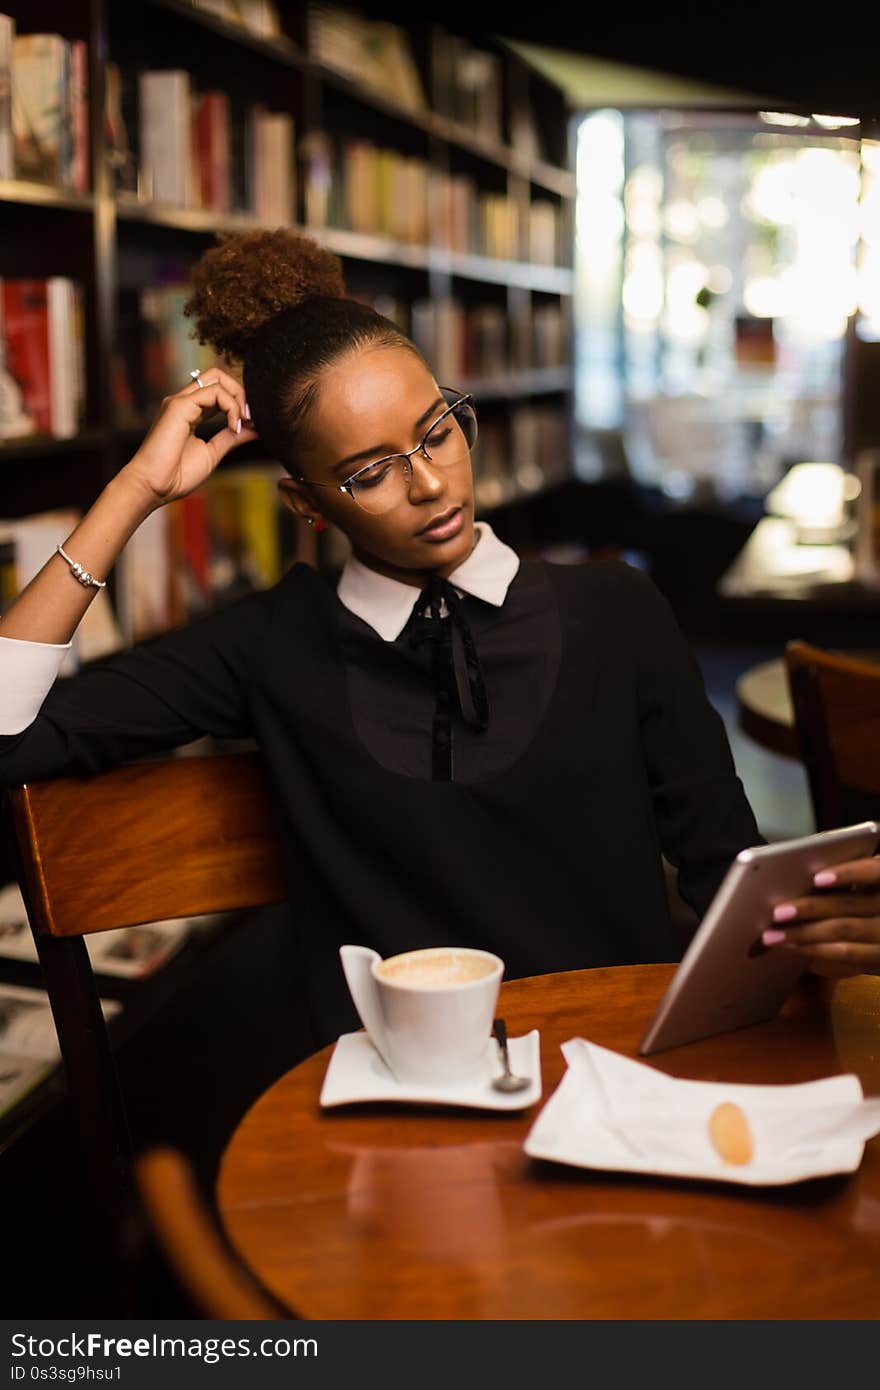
x=172, y=461
x=836, y=931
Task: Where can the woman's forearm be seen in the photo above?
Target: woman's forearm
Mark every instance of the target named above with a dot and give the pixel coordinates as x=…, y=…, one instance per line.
x=50, y=607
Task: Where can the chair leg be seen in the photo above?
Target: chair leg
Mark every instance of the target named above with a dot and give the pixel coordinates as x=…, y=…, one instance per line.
x=105, y=1142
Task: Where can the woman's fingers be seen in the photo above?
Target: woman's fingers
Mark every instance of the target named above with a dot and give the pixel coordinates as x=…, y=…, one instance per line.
x=856, y=955
x=857, y=873
x=835, y=929
x=213, y=395
x=853, y=942
x=215, y=376
x=821, y=905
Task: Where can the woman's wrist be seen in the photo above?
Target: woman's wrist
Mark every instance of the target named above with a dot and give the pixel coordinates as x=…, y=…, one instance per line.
x=134, y=494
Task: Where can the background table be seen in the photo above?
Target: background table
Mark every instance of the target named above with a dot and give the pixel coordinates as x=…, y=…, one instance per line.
x=764, y=708
x=393, y=1212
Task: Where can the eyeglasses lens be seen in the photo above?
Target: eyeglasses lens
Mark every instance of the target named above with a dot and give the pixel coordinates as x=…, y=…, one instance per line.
x=382, y=487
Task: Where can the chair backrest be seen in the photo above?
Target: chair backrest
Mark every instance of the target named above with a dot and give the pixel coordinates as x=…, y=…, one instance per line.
x=184, y=1228
x=836, y=701
x=171, y=838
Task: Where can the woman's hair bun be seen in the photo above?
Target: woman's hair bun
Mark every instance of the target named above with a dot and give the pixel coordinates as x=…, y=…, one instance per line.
x=250, y=277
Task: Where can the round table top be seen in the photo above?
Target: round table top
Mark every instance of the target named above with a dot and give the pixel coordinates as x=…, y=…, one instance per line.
x=378, y=1211
x=766, y=712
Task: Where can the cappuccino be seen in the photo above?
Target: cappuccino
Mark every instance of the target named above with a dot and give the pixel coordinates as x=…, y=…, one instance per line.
x=435, y=968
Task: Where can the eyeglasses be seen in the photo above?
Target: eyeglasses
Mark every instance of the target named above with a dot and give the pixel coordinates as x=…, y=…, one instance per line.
x=381, y=486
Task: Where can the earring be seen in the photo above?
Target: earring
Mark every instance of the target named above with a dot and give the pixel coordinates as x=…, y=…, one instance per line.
x=318, y=522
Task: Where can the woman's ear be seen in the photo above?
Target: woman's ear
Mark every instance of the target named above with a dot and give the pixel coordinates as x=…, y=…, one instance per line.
x=295, y=496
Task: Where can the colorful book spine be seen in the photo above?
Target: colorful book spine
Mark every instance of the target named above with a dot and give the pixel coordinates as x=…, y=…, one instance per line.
x=40, y=106
x=7, y=145
x=272, y=156
x=212, y=147
x=166, y=136
x=79, y=174
x=63, y=376
x=26, y=332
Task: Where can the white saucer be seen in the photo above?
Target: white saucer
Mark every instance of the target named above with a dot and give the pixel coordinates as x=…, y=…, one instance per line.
x=356, y=1073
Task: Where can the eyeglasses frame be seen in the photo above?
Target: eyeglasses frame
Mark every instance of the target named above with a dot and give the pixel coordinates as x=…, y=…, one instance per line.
x=346, y=487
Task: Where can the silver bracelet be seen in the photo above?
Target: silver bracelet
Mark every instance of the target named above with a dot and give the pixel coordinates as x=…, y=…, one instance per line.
x=78, y=572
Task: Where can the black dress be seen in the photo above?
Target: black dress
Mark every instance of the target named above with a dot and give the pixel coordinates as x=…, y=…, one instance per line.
x=543, y=842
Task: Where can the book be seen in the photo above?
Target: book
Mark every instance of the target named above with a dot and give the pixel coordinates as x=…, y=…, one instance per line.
x=7, y=145
x=40, y=100
x=78, y=174
x=272, y=152
x=212, y=149
x=188, y=557
x=165, y=123
x=373, y=53
x=64, y=383
x=29, y=1049
x=225, y=540
x=258, y=16
x=143, y=580
x=44, y=342
x=320, y=167
x=380, y=192
x=26, y=335
x=15, y=421
x=543, y=232
x=246, y=535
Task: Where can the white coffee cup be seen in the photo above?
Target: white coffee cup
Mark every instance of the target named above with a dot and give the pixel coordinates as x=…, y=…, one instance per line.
x=429, y=1012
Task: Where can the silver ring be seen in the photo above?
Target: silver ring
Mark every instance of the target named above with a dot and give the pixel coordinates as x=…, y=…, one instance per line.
x=196, y=377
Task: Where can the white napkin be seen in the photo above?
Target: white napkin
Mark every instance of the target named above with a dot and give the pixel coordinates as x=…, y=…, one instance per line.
x=612, y=1112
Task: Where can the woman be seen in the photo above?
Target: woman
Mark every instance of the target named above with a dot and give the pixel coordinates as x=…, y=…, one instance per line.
x=462, y=747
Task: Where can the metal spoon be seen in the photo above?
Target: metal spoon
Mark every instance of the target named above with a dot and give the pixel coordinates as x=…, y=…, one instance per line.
x=507, y=1081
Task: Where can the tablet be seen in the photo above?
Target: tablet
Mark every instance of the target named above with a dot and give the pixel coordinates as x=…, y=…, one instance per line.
x=728, y=978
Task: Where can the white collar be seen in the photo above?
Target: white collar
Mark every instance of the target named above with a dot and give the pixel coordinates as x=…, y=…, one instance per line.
x=386, y=604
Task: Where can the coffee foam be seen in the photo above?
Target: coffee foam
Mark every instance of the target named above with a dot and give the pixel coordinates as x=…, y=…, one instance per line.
x=434, y=968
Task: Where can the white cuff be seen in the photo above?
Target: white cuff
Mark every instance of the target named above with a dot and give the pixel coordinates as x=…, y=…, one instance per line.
x=28, y=671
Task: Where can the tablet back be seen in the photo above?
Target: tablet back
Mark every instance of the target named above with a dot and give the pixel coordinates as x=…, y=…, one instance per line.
x=727, y=978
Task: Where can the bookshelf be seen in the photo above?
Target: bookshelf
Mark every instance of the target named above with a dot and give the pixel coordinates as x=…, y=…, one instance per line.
x=108, y=239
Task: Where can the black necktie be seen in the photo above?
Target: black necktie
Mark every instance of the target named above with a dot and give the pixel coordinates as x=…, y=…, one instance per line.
x=457, y=674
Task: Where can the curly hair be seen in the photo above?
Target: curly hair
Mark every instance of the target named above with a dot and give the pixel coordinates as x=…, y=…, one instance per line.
x=276, y=301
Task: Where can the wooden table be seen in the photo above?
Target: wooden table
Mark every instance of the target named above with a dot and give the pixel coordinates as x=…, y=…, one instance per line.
x=764, y=708
x=389, y=1212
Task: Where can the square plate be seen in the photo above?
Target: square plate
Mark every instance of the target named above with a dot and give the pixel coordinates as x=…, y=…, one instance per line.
x=356, y=1073
x=575, y=1126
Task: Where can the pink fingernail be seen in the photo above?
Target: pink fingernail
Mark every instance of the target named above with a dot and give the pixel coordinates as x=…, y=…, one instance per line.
x=784, y=913
x=247, y=411
x=772, y=938
x=825, y=878
x=238, y=427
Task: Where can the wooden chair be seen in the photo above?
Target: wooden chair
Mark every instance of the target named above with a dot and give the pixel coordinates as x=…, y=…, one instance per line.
x=171, y=838
x=183, y=1227
x=836, y=702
